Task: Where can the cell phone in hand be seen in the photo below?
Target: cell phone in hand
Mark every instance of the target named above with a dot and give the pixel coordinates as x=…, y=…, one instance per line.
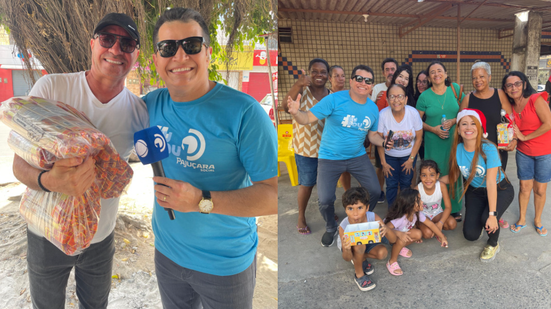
x=388, y=137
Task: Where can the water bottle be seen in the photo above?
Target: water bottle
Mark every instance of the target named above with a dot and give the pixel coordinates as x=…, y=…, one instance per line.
x=442, y=123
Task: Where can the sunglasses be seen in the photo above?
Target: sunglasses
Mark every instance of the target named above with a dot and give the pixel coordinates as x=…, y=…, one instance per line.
x=107, y=40
x=359, y=79
x=191, y=46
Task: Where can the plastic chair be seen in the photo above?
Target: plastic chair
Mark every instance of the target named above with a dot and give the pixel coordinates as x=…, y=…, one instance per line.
x=285, y=151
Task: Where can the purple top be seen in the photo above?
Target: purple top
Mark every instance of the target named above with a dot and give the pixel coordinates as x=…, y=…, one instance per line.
x=404, y=225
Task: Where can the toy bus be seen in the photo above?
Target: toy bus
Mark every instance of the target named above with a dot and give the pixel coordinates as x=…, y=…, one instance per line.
x=363, y=233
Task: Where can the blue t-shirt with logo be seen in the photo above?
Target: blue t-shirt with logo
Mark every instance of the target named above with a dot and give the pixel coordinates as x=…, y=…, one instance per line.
x=219, y=142
x=346, y=126
x=465, y=158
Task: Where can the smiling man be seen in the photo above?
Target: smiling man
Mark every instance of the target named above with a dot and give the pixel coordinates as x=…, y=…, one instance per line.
x=220, y=174
x=99, y=93
x=306, y=138
x=350, y=116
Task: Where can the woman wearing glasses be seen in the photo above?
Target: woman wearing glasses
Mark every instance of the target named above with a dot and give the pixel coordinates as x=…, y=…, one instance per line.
x=438, y=101
x=406, y=124
x=421, y=84
x=532, y=128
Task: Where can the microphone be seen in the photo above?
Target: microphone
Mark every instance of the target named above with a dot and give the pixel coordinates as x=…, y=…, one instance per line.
x=151, y=148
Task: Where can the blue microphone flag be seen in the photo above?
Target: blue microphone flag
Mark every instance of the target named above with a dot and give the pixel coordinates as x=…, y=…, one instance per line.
x=151, y=145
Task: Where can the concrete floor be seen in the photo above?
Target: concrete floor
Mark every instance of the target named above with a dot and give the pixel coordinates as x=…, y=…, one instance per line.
x=312, y=276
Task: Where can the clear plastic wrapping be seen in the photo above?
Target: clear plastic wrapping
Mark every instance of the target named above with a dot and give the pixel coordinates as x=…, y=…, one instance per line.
x=45, y=131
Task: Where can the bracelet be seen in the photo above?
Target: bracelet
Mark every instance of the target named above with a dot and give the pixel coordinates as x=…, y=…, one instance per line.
x=441, y=222
x=40, y=183
x=515, y=139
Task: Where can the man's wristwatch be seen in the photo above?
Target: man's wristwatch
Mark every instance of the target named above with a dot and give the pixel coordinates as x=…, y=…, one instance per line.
x=206, y=205
x=493, y=213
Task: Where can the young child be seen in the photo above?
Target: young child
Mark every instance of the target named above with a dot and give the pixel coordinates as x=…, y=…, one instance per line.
x=432, y=194
x=401, y=218
x=356, y=202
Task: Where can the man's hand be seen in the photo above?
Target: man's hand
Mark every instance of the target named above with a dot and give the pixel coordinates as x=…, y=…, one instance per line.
x=70, y=176
x=293, y=105
x=177, y=195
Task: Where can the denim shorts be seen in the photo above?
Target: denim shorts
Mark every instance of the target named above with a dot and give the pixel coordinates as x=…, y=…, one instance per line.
x=307, y=170
x=537, y=168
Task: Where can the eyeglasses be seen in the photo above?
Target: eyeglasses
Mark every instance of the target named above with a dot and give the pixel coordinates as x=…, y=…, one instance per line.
x=107, y=40
x=422, y=82
x=191, y=46
x=360, y=78
x=516, y=84
x=393, y=97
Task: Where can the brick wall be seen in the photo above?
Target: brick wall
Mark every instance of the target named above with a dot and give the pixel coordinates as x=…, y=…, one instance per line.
x=350, y=44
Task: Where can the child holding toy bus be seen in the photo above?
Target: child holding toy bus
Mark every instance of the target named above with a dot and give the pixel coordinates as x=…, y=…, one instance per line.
x=356, y=202
x=402, y=216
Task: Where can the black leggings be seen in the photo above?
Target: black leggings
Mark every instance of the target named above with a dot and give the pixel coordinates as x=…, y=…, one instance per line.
x=477, y=210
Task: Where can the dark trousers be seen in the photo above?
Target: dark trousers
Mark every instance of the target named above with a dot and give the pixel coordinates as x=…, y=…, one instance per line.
x=49, y=270
x=477, y=210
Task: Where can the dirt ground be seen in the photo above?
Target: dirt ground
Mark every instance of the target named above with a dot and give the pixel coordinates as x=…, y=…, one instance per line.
x=134, y=284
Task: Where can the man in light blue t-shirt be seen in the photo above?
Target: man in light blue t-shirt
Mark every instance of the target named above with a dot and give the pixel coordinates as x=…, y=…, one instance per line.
x=350, y=116
x=220, y=175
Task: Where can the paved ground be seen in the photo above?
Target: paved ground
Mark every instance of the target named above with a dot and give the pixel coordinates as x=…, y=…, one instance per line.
x=312, y=276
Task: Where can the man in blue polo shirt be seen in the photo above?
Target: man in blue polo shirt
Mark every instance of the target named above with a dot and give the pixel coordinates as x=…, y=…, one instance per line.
x=350, y=116
x=221, y=173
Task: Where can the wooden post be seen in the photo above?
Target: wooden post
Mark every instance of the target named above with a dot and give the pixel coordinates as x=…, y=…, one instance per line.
x=458, y=77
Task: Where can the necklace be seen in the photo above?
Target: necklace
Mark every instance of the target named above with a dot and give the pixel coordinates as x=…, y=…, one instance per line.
x=445, y=95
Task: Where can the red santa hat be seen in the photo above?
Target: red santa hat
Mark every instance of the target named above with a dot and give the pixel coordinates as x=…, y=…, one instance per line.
x=475, y=113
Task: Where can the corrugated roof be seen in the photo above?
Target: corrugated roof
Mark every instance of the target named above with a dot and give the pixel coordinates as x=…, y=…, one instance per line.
x=492, y=14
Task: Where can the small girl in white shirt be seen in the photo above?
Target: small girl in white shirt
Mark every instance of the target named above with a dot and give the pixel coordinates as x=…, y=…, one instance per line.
x=401, y=218
x=433, y=193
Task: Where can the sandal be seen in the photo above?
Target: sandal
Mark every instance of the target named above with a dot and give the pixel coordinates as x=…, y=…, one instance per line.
x=404, y=252
x=304, y=230
x=393, y=268
x=457, y=216
x=504, y=224
x=517, y=226
x=539, y=230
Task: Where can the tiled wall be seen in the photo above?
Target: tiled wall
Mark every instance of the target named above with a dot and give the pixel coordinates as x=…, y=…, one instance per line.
x=350, y=44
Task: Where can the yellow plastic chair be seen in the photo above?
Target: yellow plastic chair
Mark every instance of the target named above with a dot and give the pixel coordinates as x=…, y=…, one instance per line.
x=285, y=151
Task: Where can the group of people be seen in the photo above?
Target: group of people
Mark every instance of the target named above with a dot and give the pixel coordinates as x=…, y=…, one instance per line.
x=455, y=136
x=213, y=196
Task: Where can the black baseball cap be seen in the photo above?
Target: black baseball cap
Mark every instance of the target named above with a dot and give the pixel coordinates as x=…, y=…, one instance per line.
x=122, y=20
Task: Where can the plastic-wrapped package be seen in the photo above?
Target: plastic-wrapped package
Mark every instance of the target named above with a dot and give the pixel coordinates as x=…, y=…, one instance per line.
x=46, y=129
x=35, y=156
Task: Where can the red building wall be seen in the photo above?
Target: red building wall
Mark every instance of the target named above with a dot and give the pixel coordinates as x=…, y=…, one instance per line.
x=259, y=85
x=6, y=89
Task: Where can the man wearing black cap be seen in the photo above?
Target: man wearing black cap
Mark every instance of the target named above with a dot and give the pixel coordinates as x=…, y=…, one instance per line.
x=99, y=93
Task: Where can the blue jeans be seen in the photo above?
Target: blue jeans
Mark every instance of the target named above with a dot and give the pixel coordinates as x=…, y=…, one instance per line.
x=329, y=172
x=183, y=288
x=49, y=270
x=398, y=178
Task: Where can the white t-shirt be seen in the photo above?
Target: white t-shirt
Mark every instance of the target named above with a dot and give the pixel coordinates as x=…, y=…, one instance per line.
x=118, y=119
x=376, y=89
x=432, y=204
x=404, y=131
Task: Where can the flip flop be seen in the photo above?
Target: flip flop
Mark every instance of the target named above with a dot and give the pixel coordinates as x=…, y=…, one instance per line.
x=517, y=226
x=404, y=252
x=457, y=216
x=540, y=230
x=393, y=268
x=304, y=230
x=504, y=224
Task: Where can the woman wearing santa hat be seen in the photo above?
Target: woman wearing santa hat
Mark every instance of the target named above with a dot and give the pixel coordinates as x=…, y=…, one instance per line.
x=487, y=191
